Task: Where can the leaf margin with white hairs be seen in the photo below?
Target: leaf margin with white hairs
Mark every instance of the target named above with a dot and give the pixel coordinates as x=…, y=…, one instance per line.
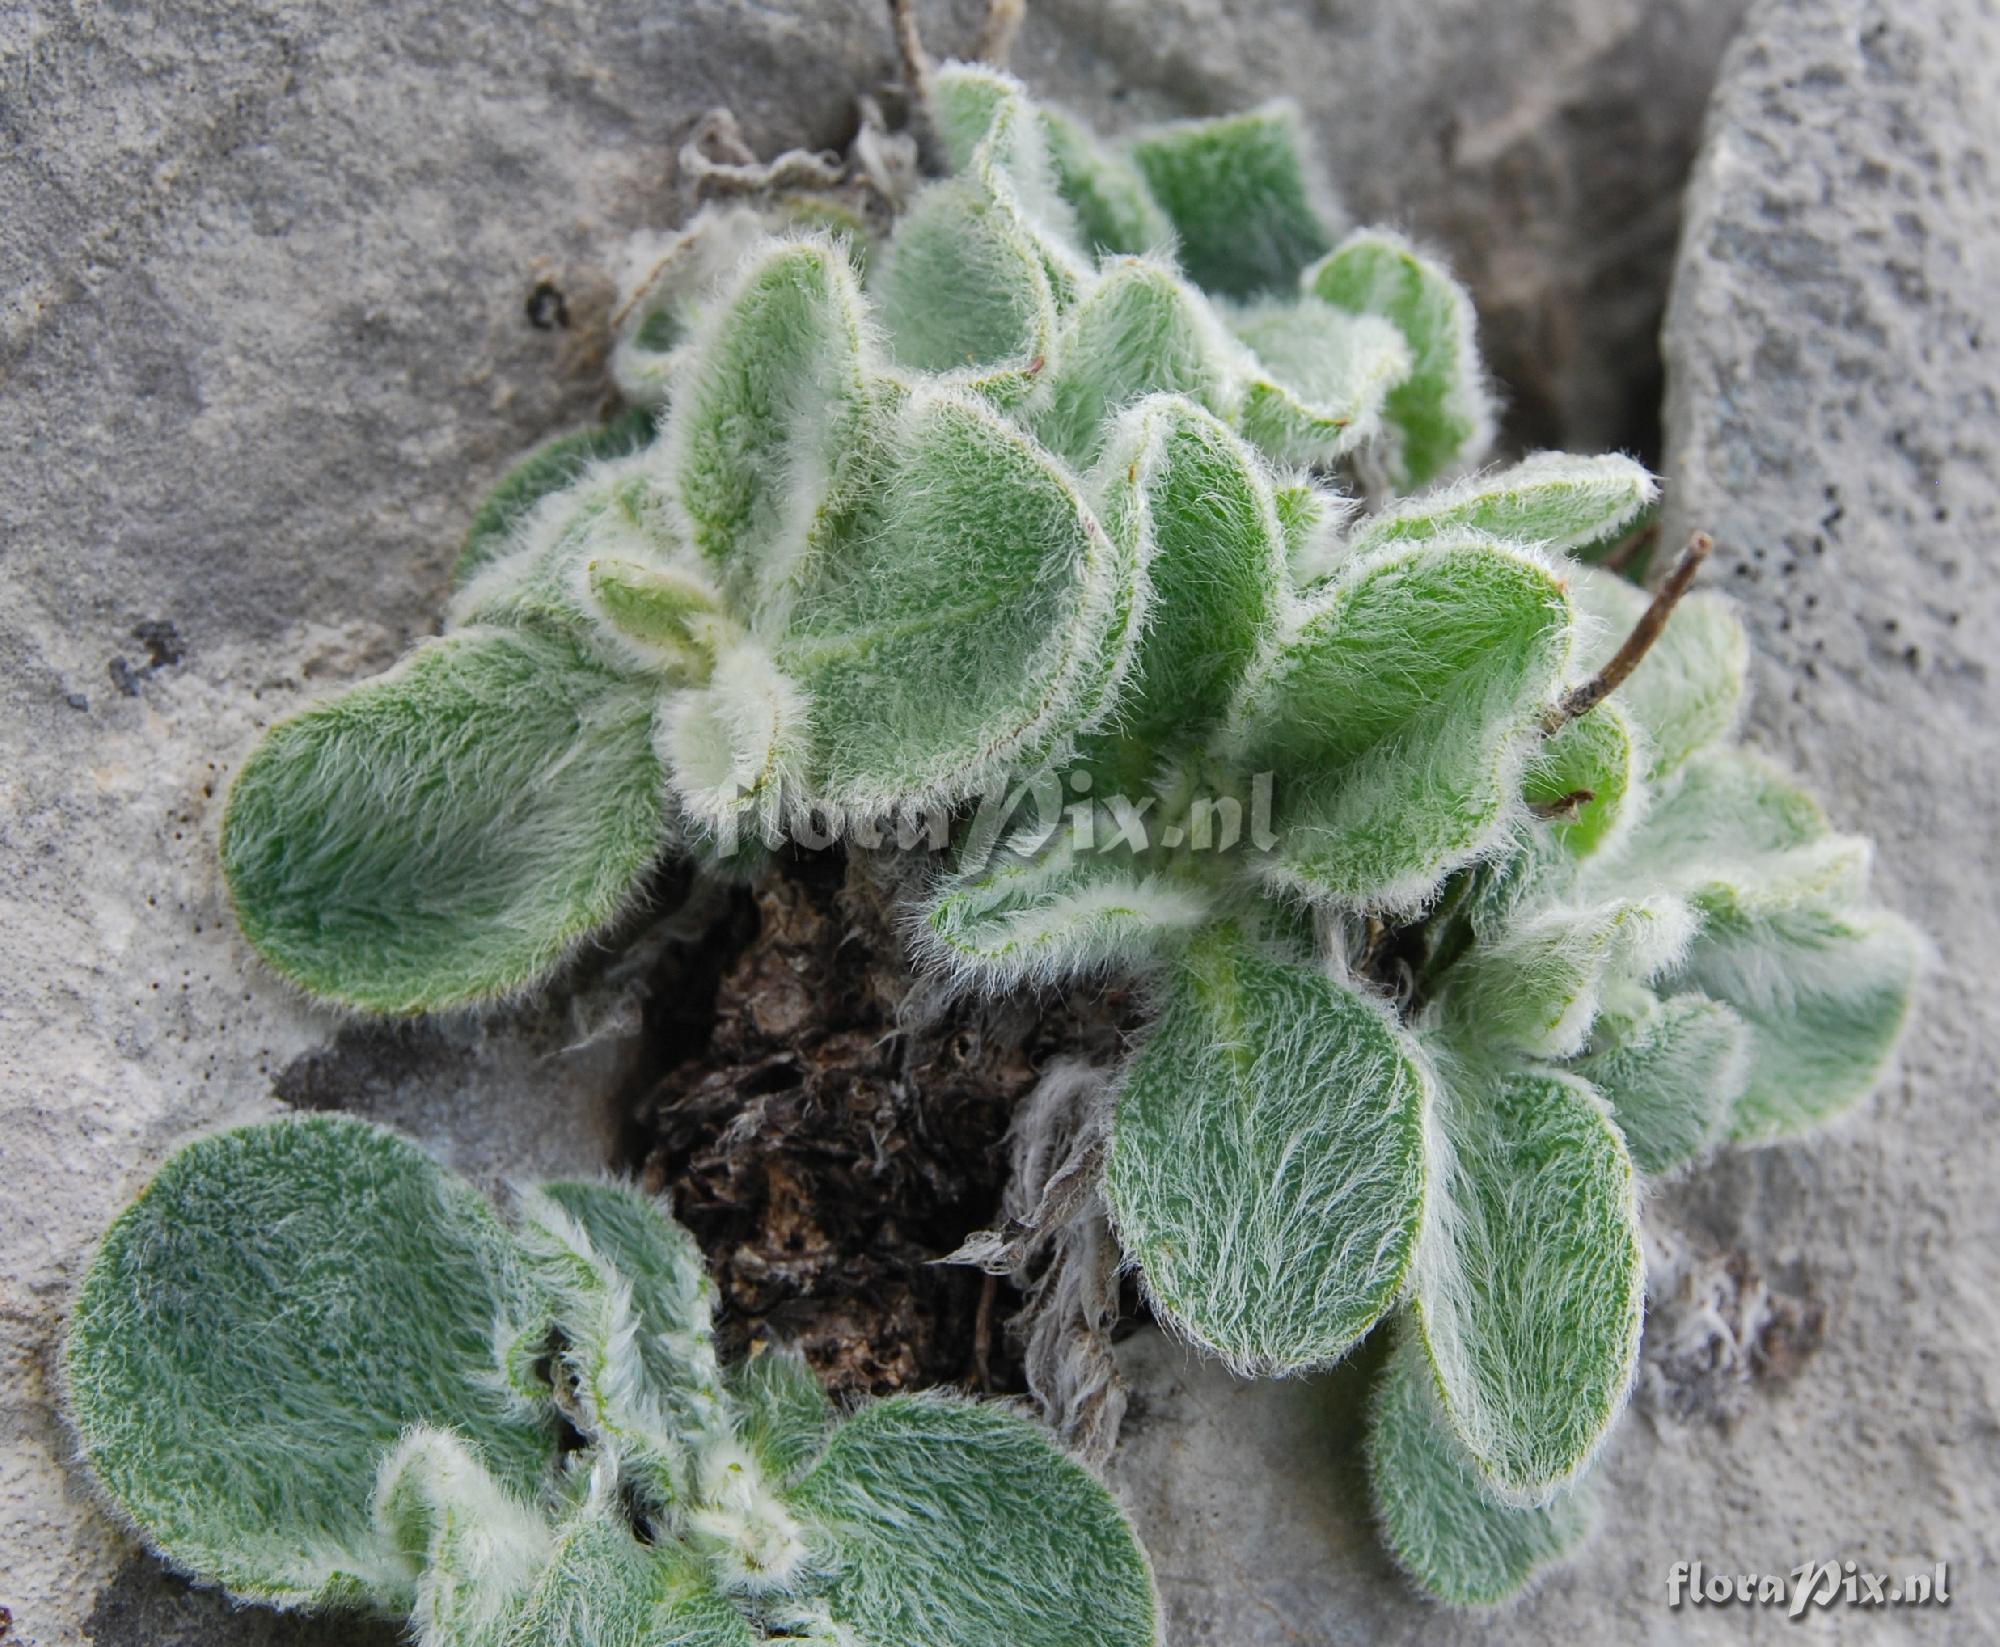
x=1253, y=735
x=1259, y=1334
x=1555, y=1443
x=1447, y=382
x=1508, y=1546
x=241, y=1170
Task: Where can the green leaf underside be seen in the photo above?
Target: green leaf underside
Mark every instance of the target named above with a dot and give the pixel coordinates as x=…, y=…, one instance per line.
x=961, y=1525
x=1439, y=412
x=1238, y=193
x=1826, y=994
x=446, y=833
x=764, y=437
x=1552, y=499
x=1535, y=986
x=1530, y=1286
x=1393, y=713
x=1050, y=914
x=1672, y=1071
x=967, y=623
x=1597, y=753
x=1216, y=576
x=1139, y=331
x=1266, y=1168
x=1439, y=1522
x=549, y=468
x=1742, y=843
x=1322, y=381
x=605, y=1589
x=260, y=1326
x=1689, y=687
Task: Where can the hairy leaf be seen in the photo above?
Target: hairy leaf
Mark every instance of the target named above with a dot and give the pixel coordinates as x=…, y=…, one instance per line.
x=448, y=832
x=1395, y=708
x=606, y=1589
x=1787, y=941
x=634, y=1303
x=964, y=286
x=1440, y=415
x=549, y=468
x=739, y=750
x=952, y=1524
x=1826, y=993
x=983, y=265
x=1266, y=1164
x=1216, y=572
x=1041, y=912
x=784, y=1415
x=974, y=619
x=1440, y=1523
x=1112, y=210
x=966, y=98
x=476, y=1547
x=1598, y=755
x=1742, y=843
x=667, y=616
x=1139, y=331
x=1311, y=516
x=1321, y=381
x=1242, y=195
x=1689, y=686
x=634, y=1308
x=676, y=286
x=258, y=1328
x=1115, y=212
x=1671, y=1070
x=539, y=582
x=767, y=433
x=1551, y=499
x=1535, y=986
x=1530, y=1283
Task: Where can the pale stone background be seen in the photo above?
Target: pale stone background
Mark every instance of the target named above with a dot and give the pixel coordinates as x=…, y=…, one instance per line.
x=265, y=342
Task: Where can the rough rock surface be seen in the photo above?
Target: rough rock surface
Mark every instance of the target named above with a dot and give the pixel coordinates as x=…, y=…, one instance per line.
x=285, y=287
x=1819, y=1377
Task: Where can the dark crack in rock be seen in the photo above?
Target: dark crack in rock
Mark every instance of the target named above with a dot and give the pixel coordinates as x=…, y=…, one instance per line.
x=829, y=1127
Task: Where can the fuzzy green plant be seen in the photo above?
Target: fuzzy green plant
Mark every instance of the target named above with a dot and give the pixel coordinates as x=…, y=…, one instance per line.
x=882, y=548
x=313, y=1367
x=1134, y=495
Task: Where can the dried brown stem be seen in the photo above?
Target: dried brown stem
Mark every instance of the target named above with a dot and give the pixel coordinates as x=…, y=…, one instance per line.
x=981, y=1373
x=917, y=66
x=1582, y=699
x=996, y=34
x=919, y=76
